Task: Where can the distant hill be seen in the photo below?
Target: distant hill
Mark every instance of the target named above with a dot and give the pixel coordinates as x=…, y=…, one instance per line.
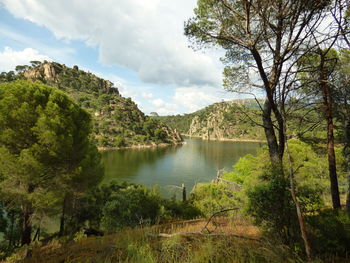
x=117, y=120
x=235, y=119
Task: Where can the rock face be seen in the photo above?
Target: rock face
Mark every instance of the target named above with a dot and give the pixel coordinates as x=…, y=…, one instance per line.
x=227, y=120
x=59, y=75
x=117, y=120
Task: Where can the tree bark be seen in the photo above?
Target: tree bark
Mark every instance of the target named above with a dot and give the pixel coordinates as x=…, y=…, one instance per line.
x=183, y=192
x=301, y=221
x=63, y=217
x=332, y=166
x=12, y=220
x=26, y=225
x=347, y=158
x=27, y=210
x=270, y=134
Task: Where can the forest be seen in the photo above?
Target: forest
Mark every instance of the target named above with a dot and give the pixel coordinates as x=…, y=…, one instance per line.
x=288, y=203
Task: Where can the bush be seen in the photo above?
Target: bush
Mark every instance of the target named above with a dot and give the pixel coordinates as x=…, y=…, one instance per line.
x=181, y=210
x=211, y=198
x=132, y=206
x=129, y=205
x=119, y=141
x=330, y=232
x=272, y=207
x=103, y=141
x=266, y=194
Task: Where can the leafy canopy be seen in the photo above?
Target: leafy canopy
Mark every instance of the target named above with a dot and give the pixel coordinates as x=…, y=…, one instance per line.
x=45, y=147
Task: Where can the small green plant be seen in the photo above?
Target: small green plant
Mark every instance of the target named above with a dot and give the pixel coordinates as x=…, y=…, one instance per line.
x=211, y=198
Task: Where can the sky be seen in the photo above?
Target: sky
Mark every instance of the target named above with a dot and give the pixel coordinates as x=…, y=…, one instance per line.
x=139, y=45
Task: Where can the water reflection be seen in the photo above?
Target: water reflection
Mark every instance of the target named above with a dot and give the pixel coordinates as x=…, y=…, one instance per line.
x=196, y=161
x=222, y=154
x=122, y=164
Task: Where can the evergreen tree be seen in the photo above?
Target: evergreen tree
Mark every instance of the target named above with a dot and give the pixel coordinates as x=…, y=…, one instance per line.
x=45, y=150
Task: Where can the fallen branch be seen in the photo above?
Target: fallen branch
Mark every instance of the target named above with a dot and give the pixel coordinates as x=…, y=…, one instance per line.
x=164, y=235
x=213, y=215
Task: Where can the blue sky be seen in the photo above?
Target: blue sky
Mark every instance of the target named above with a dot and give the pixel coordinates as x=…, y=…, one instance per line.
x=137, y=44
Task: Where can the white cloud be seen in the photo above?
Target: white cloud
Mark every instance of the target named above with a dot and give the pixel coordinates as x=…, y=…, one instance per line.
x=192, y=99
x=58, y=53
x=147, y=95
x=164, y=108
x=158, y=102
x=144, y=36
x=10, y=58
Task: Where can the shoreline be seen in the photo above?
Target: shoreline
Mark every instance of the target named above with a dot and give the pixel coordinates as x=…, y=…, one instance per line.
x=140, y=146
x=224, y=139
x=144, y=146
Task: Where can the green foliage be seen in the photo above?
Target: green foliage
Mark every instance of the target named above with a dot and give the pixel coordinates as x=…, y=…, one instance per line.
x=114, y=116
x=131, y=206
x=119, y=141
x=230, y=117
x=311, y=172
x=330, y=232
x=266, y=195
x=272, y=208
x=116, y=206
x=45, y=149
x=211, y=198
x=179, y=122
x=242, y=170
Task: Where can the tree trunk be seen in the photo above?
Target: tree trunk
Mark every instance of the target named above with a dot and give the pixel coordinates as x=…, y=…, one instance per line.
x=332, y=166
x=26, y=226
x=183, y=192
x=27, y=210
x=301, y=221
x=37, y=234
x=347, y=158
x=12, y=220
x=270, y=134
x=63, y=216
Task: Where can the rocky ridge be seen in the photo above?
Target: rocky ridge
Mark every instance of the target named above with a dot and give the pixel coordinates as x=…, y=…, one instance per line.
x=229, y=120
x=117, y=120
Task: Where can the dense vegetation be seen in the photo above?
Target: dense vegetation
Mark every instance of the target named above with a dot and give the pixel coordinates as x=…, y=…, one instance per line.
x=50, y=169
x=292, y=192
x=241, y=120
x=117, y=120
x=47, y=159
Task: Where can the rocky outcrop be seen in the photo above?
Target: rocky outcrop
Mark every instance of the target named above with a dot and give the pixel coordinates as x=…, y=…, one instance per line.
x=59, y=75
x=117, y=120
x=227, y=120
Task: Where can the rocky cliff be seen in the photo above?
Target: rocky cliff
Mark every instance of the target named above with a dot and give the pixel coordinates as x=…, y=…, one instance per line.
x=236, y=119
x=117, y=120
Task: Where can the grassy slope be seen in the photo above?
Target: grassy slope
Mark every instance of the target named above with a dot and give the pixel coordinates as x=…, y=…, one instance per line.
x=134, y=245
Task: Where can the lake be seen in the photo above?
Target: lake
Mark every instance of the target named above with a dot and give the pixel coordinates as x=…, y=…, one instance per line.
x=196, y=161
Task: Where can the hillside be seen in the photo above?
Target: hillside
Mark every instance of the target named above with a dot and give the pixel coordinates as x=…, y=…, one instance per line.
x=235, y=119
x=117, y=120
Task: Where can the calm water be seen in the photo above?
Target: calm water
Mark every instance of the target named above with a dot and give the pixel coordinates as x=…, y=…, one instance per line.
x=196, y=161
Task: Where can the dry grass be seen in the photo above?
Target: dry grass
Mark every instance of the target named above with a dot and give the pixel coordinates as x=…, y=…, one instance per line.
x=133, y=245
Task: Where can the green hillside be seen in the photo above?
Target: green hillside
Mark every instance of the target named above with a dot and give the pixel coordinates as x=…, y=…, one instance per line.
x=235, y=119
x=117, y=120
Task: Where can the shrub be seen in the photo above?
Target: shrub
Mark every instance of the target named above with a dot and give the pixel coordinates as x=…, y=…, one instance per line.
x=330, y=232
x=119, y=141
x=132, y=206
x=129, y=205
x=211, y=198
x=266, y=194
